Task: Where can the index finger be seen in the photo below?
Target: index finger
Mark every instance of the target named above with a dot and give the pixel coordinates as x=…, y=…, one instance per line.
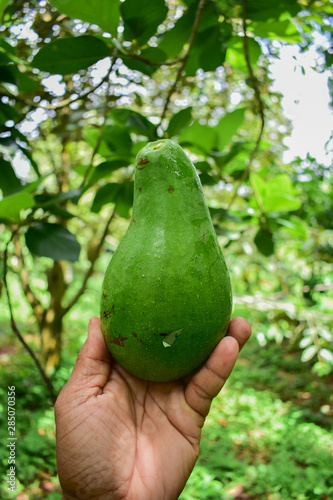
x=239, y=329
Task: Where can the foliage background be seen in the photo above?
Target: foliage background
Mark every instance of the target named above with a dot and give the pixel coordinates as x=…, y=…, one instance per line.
x=84, y=86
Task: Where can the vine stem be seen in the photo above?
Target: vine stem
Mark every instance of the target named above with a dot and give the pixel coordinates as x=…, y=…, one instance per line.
x=184, y=59
x=255, y=86
x=16, y=330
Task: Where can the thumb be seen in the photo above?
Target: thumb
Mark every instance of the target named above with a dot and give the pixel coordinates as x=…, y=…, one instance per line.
x=93, y=365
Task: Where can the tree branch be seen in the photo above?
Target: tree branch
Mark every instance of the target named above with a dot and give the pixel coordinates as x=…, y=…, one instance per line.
x=138, y=57
x=255, y=86
x=60, y=104
x=91, y=268
x=23, y=274
x=17, y=331
x=99, y=139
x=66, y=102
x=184, y=59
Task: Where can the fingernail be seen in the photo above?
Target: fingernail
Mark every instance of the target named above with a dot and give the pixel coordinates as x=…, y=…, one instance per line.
x=92, y=322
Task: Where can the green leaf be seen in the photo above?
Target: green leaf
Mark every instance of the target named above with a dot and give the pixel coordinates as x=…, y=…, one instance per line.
x=28, y=155
x=120, y=194
x=61, y=212
x=207, y=179
x=12, y=141
x=209, y=42
x=134, y=122
x=15, y=134
x=9, y=183
x=3, y=5
x=104, y=13
x=11, y=206
x=52, y=240
x=153, y=54
x=209, y=50
x=265, y=10
x=47, y=200
x=6, y=75
x=142, y=18
x=32, y=186
x=228, y=126
x=124, y=199
x=105, y=169
x=222, y=159
x=279, y=30
x=281, y=203
x=179, y=121
x=213, y=46
x=69, y=55
x=92, y=136
x=277, y=194
x=235, y=53
x=264, y=242
x=118, y=139
x=137, y=65
x=12, y=74
x=4, y=59
x=221, y=214
x=202, y=136
x=8, y=54
x=259, y=187
x=203, y=166
x=295, y=226
x=7, y=112
x=23, y=82
x=106, y=194
x=173, y=41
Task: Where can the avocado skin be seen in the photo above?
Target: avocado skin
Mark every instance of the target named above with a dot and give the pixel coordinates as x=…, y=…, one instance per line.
x=166, y=298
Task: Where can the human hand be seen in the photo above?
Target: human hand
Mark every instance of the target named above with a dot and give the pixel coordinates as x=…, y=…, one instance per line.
x=122, y=438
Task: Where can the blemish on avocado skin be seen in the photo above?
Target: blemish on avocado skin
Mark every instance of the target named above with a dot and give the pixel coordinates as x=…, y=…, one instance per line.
x=108, y=312
x=117, y=340
x=142, y=161
x=135, y=335
x=171, y=337
x=171, y=189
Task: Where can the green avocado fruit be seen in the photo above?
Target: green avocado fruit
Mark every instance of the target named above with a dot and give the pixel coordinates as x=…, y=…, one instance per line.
x=166, y=297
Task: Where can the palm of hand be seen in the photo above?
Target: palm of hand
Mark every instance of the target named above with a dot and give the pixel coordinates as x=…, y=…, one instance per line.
x=119, y=437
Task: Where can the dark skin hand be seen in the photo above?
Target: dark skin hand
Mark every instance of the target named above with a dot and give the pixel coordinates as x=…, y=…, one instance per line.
x=121, y=438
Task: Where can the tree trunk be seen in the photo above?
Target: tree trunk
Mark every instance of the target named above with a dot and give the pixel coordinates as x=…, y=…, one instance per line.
x=51, y=327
